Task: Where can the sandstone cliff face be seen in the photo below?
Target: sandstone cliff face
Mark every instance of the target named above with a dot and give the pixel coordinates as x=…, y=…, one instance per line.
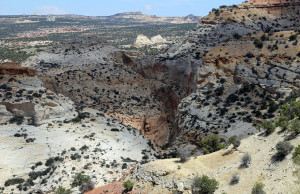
x=15, y=69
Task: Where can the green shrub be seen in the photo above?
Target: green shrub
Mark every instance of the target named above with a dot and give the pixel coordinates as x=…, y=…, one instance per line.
x=211, y=144
x=258, y=44
x=236, y=143
x=293, y=37
x=296, y=155
x=236, y=36
x=204, y=184
x=282, y=122
x=79, y=179
x=79, y=117
x=294, y=126
x=283, y=149
x=267, y=125
x=13, y=181
x=258, y=188
x=62, y=190
x=128, y=185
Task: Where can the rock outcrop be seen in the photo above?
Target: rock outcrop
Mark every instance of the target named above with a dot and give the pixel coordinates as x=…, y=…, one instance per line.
x=273, y=1
x=143, y=40
x=15, y=69
x=23, y=94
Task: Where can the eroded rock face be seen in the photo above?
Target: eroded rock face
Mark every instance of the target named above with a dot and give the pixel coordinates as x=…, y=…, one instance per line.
x=143, y=93
x=15, y=69
x=26, y=97
x=272, y=1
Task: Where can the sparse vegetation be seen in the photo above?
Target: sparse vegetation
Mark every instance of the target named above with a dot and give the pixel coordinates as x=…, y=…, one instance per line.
x=79, y=179
x=62, y=190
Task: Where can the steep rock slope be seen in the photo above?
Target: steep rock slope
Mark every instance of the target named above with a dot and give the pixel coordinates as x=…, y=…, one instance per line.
x=246, y=58
x=46, y=141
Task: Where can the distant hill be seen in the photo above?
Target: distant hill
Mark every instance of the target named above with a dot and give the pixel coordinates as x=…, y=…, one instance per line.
x=140, y=17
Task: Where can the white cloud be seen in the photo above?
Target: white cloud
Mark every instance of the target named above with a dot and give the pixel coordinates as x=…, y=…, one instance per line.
x=51, y=10
x=148, y=7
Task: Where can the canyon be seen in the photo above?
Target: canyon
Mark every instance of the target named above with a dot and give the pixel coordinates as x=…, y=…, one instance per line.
x=140, y=112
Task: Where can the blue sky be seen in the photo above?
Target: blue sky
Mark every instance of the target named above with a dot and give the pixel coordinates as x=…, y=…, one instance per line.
x=110, y=7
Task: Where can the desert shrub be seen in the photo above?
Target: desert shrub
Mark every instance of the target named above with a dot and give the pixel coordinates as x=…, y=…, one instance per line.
x=267, y=125
x=79, y=179
x=272, y=106
x=49, y=162
x=258, y=188
x=16, y=119
x=236, y=36
x=79, y=117
x=291, y=111
x=293, y=37
x=283, y=149
x=232, y=98
x=83, y=148
x=183, y=156
x=204, y=184
x=62, y=190
x=217, y=12
x=282, y=122
x=13, y=181
x=211, y=144
x=128, y=185
x=236, y=143
x=264, y=37
x=249, y=55
x=296, y=155
x=258, y=43
x=86, y=186
x=246, y=160
x=219, y=91
x=235, y=179
x=294, y=126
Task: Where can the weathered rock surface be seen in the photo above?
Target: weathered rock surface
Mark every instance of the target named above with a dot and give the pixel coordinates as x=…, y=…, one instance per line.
x=15, y=69
x=143, y=40
x=26, y=97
